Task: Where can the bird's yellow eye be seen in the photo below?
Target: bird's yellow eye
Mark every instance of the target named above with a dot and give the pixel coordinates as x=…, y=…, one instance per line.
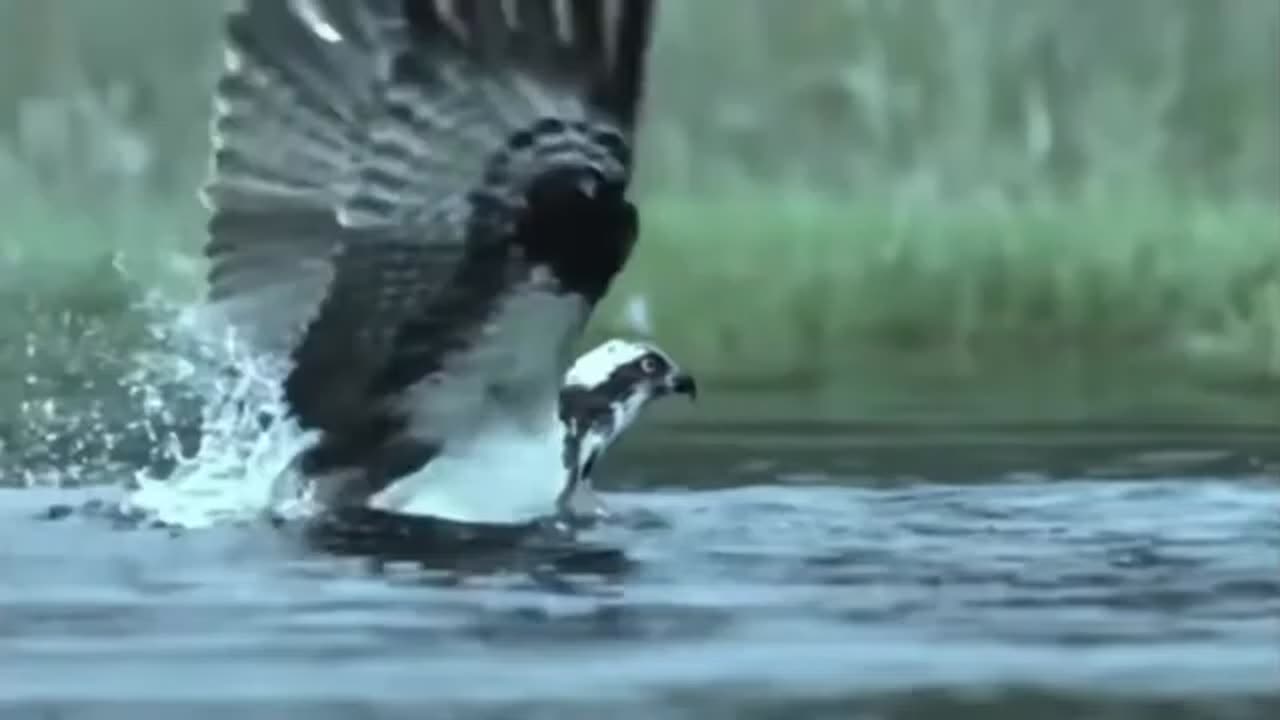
x=648, y=365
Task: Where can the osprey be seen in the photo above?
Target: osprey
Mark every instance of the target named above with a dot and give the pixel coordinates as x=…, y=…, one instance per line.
x=603, y=394
x=418, y=204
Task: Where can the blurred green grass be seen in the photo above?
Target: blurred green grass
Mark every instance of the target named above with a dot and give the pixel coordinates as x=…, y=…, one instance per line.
x=946, y=187
x=795, y=286
x=791, y=287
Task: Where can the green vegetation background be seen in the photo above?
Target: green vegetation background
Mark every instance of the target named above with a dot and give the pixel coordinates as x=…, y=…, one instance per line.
x=830, y=187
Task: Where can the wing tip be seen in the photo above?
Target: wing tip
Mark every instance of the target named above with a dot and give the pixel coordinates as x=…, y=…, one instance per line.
x=634, y=36
x=604, y=44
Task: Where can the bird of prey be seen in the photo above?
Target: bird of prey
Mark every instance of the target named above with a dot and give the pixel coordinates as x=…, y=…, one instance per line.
x=418, y=204
x=603, y=394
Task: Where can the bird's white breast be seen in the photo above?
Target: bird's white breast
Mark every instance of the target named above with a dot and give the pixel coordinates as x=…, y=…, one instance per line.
x=503, y=474
x=494, y=411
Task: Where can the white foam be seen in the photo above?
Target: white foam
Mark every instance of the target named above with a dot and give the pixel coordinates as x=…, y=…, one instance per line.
x=242, y=466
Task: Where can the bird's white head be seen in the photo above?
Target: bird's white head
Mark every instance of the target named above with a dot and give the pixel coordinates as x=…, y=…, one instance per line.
x=623, y=367
x=604, y=392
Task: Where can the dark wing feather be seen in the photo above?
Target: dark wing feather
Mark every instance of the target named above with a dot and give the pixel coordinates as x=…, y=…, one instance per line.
x=372, y=157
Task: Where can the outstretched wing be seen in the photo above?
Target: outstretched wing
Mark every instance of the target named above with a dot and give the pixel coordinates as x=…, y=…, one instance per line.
x=388, y=173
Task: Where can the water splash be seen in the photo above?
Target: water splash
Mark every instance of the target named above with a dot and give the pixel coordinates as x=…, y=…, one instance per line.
x=241, y=465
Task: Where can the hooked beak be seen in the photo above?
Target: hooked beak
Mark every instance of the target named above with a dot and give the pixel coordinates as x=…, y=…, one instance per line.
x=684, y=384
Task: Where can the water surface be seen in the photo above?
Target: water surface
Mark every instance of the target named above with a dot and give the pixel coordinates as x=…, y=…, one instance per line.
x=775, y=569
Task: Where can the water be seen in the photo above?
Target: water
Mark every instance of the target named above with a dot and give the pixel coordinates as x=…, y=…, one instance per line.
x=814, y=587
x=779, y=562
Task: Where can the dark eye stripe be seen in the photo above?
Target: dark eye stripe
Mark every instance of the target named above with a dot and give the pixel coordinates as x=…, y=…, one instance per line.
x=652, y=363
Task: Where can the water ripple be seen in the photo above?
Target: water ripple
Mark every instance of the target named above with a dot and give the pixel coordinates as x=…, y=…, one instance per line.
x=1154, y=590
